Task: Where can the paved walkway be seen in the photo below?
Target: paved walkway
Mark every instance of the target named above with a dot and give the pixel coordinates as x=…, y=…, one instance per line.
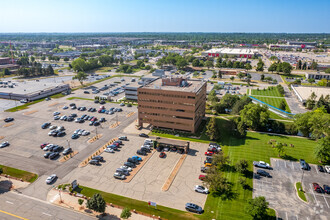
x=71, y=202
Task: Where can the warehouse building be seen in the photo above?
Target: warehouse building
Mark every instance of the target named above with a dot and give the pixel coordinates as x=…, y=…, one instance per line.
x=317, y=75
x=237, y=52
x=172, y=103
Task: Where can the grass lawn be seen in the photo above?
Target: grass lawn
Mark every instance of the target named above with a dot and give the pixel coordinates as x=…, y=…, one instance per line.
x=301, y=192
x=272, y=91
x=273, y=101
x=142, y=206
x=254, y=147
x=273, y=115
x=26, y=176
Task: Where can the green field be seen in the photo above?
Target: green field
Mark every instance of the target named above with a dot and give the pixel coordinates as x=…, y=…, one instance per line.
x=272, y=91
x=254, y=147
x=142, y=206
x=273, y=101
x=21, y=174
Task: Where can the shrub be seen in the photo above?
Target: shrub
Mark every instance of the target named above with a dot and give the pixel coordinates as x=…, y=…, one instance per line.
x=126, y=213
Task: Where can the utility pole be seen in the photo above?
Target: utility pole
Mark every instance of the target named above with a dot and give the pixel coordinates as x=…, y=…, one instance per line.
x=96, y=132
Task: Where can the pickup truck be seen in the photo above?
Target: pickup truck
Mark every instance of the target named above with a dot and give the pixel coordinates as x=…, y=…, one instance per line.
x=261, y=164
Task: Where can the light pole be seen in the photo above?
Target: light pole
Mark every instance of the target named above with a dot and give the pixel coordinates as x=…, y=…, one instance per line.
x=68, y=143
x=302, y=176
x=96, y=133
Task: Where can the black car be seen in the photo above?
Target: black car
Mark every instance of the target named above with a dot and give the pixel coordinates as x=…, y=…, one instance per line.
x=86, y=92
x=326, y=189
x=141, y=152
x=58, y=149
x=263, y=173
x=159, y=149
x=72, y=104
x=94, y=162
x=54, y=155
x=131, y=160
x=96, y=101
x=8, y=119
x=70, y=118
x=60, y=134
x=143, y=135
x=304, y=165
x=51, y=148
x=129, y=164
x=320, y=168
x=96, y=123
x=73, y=115
x=102, y=119
x=45, y=125
x=99, y=158
x=46, y=155
x=67, y=151
x=102, y=102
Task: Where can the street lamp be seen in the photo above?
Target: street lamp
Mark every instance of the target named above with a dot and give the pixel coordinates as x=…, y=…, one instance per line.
x=68, y=143
x=302, y=176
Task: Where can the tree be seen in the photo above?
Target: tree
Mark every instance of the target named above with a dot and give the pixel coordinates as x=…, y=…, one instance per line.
x=262, y=77
x=208, y=64
x=196, y=63
x=232, y=78
x=248, y=66
x=121, y=60
x=242, y=166
x=1, y=170
x=310, y=102
x=80, y=76
x=286, y=68
x=272, y=67
x=43, y=58
x=212, y=97
x=212, y=129
x=282, y=105
x=66, y=59
x=79, y=64
x=181, y=63
x=255, y=116
x=240, y=75
x=314, y=65
x=299, y=65
x=6, y=72
x=126, y=213
x=260, y=66
x=304, y=67
x=241, y=130
x=279, y=147
x=216, y=182
x=327, y=70
x=32, y=58
x=257, y=208
x=311, y=81
x=106, y=60
x=219, y=74
x=322, y=150
x=218, y=63
x=96, y=203
x=50, y=70
x=80, y=202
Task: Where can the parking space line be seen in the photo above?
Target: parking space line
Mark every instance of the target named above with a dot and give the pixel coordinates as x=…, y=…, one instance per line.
x=326, y=201
x=314, y=194
x=316, y=170
x=285, y=164
x=292, y=165
x=286, y=214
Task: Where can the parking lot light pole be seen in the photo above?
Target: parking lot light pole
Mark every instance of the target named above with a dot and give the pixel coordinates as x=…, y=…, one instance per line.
x=302, y=176
x=68, y=143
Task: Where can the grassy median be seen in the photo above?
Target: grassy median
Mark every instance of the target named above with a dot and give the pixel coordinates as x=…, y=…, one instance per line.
x=141, y=206
x=21, y=174
x=301, y=193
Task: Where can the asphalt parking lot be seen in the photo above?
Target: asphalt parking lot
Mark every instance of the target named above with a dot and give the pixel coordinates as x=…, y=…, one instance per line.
x=147, y=183
x=281, y=194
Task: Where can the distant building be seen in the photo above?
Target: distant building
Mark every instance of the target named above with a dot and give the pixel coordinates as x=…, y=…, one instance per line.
x=172, y=103
x=303, y=43
x=290, y=46
x=5, y=60
x=317, y=75
x=237, y=52
x=69, y=54
x=159, y=73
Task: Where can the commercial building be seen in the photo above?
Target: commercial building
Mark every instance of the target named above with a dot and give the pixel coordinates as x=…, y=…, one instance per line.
x=236, y=52
x=5, y=60
x=304, y=92
x=317, y=75
x=290, y=46
x=131, y=90
x=172, y=103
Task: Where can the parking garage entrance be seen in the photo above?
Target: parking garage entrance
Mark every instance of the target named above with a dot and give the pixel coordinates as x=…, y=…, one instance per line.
x=170, y=143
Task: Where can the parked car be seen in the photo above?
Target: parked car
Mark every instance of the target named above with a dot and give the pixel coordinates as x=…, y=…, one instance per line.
x=261, y=164
x=122, y=171
x=143, y=135
x=67, y=151
x=263, y=173
x=326, y=189
x=123, y=138
x=204, y=169
x=137, y=158
x=53, y=155
x=317, y=188
x=141, y=152
x=327, y=168
x=56, y=113
x=320, y=168
x=109, y=150
x=51, y=178
x=119, y=176
x=65, y=107
x=58, y=149
x=43, y=145
x=303, y=164
x=45, y=125
x=201, y=189
x=129, y=169
x=46, y=155
x=99, y=158
x=94, y=162
x=60, y=134
x=4, y=144
x=129, y=164
x=201, y=177
x=86, y=92
x=131, y=160
x=209, y=153
x=193, y=208
x=8, y=119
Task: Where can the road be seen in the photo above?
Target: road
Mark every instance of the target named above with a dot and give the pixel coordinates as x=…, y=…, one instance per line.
x=17, y=206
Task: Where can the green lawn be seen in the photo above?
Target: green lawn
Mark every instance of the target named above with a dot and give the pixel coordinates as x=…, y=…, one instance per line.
x=272, y=91
x=142, y=206
x=26, y=176
x=301, y=193
x=273, y=101
x=254, y=147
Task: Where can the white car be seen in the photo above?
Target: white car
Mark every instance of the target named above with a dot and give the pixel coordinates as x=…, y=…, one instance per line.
x=47, y=147
x=52, y=127
x=201, y=189
x=85, y=133
x=63, y=117
x=109, y=150
x=261, y=164
x=56, y=113
x=327, y=168
x=65, y=107
x=51, y=178
x=80, y=132
x=129, y=169
x=23, y=101
x=56, y=117
x=4, y=144
x=119, y=176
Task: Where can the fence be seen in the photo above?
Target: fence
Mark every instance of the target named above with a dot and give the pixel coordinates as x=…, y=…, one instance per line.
x=274, y=109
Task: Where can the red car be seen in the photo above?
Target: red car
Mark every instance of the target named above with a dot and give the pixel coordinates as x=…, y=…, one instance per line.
x=162, y=155
x=43, y=145
x=209, y=153
x=201, y=177
x=317, y=188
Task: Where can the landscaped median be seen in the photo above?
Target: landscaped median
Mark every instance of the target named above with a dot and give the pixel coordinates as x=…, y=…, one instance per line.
x=19, y=174
x=141, y=207
x=301, y=192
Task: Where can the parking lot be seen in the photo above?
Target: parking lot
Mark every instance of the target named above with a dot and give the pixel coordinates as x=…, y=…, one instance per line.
x=147, y=183
x=281, y=194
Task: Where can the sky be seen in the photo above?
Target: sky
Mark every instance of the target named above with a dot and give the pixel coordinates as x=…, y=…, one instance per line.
x=281, y=16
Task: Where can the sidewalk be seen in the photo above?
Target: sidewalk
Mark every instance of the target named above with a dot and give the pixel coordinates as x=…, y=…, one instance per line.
x=10, y=183
x=71, y=202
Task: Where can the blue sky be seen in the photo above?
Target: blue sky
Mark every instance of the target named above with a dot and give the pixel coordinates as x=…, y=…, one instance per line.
x=289, y=16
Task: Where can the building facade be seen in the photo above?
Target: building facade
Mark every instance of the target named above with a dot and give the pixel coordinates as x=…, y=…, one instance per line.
x=172, y=103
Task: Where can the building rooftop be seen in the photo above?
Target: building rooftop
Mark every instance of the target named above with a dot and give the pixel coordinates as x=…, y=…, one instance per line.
x=232, y=51
x=29, y=87
x=306, y=91
x=189, y=86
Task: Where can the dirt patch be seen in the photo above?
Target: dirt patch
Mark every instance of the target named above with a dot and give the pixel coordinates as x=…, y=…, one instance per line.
x=8, y=125
x=67, y=157
x=95, y=138
x=2, y=137
x=53, y=104
x=175, y=170
x=130, y=114
x=30, y=112
x=138, y=167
